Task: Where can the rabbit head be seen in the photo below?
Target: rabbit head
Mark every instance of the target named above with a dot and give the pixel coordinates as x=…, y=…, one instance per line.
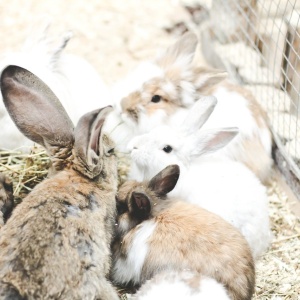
x=137, y=201
x=40, y=116
x=60, y=234
x=156, y=90
x=166, y=145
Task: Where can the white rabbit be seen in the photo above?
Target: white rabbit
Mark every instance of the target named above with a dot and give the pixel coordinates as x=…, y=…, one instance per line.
x=181, y=285
x=220, y=185
x=159, y=92
x=73, y=80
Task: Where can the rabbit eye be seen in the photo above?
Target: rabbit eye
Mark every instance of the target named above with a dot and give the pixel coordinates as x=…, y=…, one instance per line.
x=167, y=149
x=156, y=98
x=111, y=151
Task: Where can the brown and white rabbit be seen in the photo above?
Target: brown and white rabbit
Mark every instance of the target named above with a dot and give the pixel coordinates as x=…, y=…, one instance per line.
x=163, y=91
x=56, y=244
x=157, y=233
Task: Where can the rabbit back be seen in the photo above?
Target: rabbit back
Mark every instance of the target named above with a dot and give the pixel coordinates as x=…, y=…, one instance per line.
x=185, y=237
x=56, y=243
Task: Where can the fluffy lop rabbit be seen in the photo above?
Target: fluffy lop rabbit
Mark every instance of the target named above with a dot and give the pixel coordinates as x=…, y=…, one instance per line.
x=157, y=233
x=220, y=185
x=162, y=91
x=56, y=244
x=72, y=79
x=181, y=285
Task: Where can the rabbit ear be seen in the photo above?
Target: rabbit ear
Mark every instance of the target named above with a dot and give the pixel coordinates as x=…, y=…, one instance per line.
x=208, y=78
x=198, y=114
x=35, y=109
x=209, y=141
x=183, y=51
x=88, y=147
x=140, y=204
x=165, y=181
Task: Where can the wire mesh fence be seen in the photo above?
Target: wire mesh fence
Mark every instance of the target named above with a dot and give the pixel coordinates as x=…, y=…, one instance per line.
x=258, y=42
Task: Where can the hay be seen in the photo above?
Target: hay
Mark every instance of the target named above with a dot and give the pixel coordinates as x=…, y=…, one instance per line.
x=278, y=271
x=25, y=169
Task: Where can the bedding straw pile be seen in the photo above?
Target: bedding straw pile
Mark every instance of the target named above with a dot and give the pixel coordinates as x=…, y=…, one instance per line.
x=115, y=36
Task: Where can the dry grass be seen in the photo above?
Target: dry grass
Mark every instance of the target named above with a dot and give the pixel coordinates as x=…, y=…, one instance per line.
x=278, y=271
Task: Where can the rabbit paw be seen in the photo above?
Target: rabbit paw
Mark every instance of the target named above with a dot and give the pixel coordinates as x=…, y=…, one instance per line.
x=6, y=198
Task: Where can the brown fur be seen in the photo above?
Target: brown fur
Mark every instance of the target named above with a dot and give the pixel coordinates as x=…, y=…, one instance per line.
x=56, y=244
x=188, y=237
x=6, y=198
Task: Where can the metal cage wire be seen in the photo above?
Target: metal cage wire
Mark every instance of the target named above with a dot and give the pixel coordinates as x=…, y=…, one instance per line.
x=258, y=42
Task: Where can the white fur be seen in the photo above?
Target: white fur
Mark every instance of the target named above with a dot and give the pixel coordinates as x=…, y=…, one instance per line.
x=220, y=185
x=233, y=108
x=74, y=81
x=174, y=285
x=129, y=268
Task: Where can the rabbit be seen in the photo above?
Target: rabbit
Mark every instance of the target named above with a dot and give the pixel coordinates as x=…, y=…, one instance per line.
x=163, y=91
x=222, y=186
x=156, y=232
x=73, y=80
x=56, y=244
x=181, y=285
x=6, y=198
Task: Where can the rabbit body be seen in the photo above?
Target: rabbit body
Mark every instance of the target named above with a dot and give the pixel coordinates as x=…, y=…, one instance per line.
x=56, y=244
x=164, y=91
x=177, y=236
x=222, y=186
x=72, y=79
x=181, y=285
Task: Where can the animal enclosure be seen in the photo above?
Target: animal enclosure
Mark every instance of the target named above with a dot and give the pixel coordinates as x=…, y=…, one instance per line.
x=258, y=43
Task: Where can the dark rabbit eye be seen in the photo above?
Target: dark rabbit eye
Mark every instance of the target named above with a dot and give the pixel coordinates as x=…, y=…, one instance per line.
x=156, y=98
x=111, y=151
x=167, y=149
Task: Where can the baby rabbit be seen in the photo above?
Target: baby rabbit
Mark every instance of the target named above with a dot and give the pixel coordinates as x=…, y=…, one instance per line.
x=222, y=186
x=56, y=244
x=181, y=285
x=163, y=91
x=156, y=233
x=72, y=79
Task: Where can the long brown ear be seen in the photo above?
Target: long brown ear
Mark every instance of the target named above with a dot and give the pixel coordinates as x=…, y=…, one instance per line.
x=183, y=51
x=88, y=145
x=165, y=181
x=35, y=109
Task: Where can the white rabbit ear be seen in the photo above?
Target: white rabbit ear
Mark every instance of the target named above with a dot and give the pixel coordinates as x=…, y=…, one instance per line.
x=88, y=147
x=198, y=114
x=208, y=78
x=165, y=181
x=182, y=52
x=35, y=109
x=209, y=141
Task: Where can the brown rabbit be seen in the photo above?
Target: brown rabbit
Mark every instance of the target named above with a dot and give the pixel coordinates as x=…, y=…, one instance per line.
x=56, y=244
x=156, y=233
